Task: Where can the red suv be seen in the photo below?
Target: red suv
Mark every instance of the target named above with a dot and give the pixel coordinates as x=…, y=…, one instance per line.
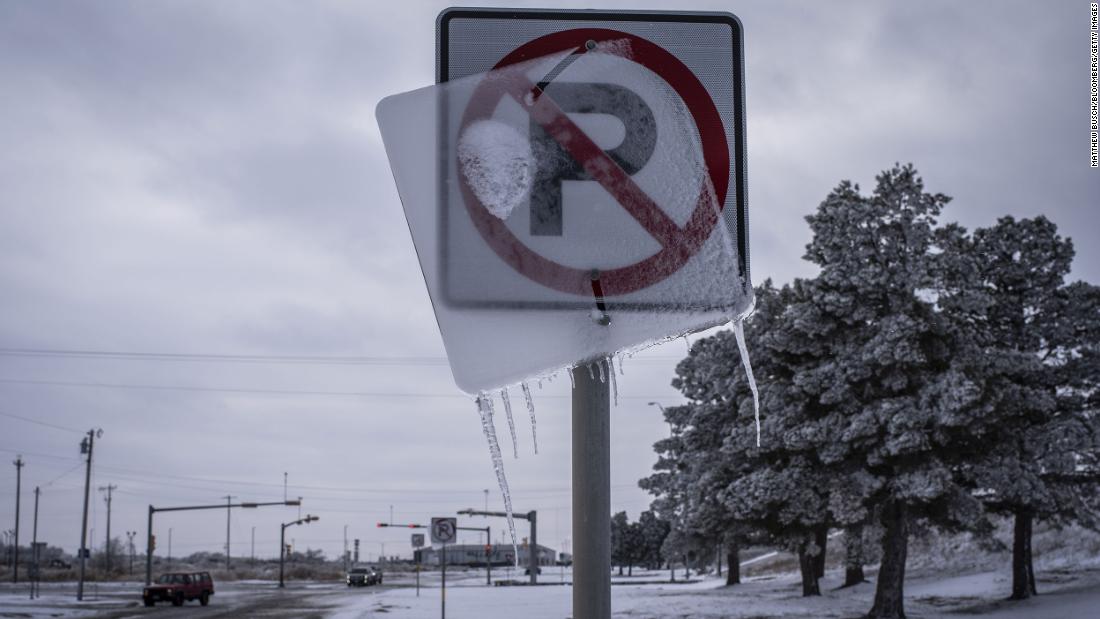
x=180, y=587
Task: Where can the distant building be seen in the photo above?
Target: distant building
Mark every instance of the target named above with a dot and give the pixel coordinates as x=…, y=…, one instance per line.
x=473, y=555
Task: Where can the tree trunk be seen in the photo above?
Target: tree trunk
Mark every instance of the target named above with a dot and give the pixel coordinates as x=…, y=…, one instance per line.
x=620, y=569
x=630, y=569
x=853, y=556
x=733, y=564
x=889, y=589
x=808, y=567
x=821, y=540
x=1023, y=572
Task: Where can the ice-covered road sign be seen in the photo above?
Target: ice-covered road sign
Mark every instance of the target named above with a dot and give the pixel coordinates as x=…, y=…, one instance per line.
x=575, y=184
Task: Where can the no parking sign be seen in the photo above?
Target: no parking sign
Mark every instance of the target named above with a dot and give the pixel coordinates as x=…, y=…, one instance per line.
x=574, y=185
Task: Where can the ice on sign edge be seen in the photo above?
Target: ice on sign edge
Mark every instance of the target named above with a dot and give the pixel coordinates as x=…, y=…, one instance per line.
x=502, y=326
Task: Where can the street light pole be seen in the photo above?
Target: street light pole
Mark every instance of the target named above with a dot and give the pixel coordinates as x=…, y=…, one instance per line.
x=109, y=488
x=18, y=490
x=228, y=511
x=130, y=538
x=282, y=543
x=34, y=544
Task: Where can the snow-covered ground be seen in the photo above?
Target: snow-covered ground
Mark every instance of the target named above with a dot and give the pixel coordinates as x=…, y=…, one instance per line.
x=1066, y=594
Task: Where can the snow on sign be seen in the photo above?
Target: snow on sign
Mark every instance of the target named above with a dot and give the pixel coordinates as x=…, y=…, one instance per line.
x=574, y=185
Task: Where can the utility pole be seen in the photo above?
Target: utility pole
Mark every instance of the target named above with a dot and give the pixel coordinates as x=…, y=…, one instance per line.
x=109, y=488
x=18, y=488
x=345, y=548
x=253, y=552
x=87, y=444
x=169, y=560
x=34, y=544
x=130, y=538
x=228, y=510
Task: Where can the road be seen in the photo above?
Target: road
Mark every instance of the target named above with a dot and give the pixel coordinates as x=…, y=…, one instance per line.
x=232, y=599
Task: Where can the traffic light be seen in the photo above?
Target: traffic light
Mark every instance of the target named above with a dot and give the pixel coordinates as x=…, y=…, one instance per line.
x=152, y=542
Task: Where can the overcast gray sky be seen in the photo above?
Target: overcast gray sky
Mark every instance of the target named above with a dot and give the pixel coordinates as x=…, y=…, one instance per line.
x=206, y=178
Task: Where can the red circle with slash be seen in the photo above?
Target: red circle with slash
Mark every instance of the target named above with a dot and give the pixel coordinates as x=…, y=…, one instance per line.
x=677, y=244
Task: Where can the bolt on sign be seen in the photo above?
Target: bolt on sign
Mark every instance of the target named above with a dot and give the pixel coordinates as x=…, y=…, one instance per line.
x=574, y=184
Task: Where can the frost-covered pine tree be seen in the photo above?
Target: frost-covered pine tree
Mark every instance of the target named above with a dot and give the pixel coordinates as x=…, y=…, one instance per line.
x=653, y=532
x=731, y=490
x=1024, y=339
x=874, y=387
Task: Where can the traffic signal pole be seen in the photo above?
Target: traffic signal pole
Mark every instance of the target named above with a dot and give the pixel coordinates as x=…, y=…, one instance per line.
x=591, y=496
x=226, y=506
x=488, y=543
x=532, y=517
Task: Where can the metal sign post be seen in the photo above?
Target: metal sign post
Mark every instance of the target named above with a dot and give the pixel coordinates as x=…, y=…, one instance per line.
x=417, y=544
x=591, y=497
x=444, y=531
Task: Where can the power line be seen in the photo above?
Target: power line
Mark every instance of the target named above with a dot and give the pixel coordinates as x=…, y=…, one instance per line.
x=41, y=423
x=58, y=478
x=155, y=477
x=216, y=357
x=291, y=392
x=37, y=455
x=152, y=477
x=242, y=358
x=61, y=383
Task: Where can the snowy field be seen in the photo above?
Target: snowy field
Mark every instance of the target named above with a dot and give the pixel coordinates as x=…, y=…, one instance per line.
x=1066, y=594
